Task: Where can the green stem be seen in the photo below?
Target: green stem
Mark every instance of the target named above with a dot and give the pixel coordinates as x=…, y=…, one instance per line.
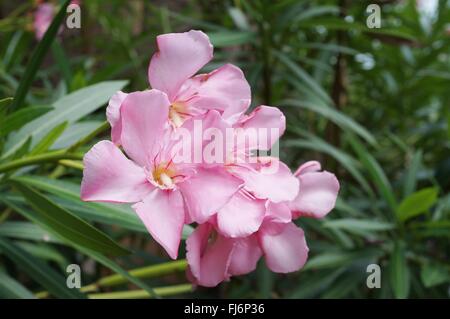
x=37, y=159
x=139, y=294
x=144, y=272
x=72, y=164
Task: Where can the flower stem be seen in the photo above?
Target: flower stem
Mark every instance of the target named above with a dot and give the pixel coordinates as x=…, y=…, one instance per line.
x=144, y=272
x=139, y=294
x=41, y=158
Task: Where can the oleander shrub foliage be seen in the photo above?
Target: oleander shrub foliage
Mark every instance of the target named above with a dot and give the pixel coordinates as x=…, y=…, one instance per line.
x=371, y=105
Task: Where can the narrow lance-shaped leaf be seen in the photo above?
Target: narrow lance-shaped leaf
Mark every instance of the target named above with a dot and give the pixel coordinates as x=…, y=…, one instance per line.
x=49, y=139
x=18, y=119
x=37, y=218
x=411, y=175
x=68, y=226
x=39, y=271
x=399, y=271
x=70, y=108
x=38, y=56
x=417, y=203
x=12, y=289
x=375, y=171
x=110, y=214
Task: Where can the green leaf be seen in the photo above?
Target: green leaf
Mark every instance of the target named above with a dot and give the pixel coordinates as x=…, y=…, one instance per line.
x=70, y=108
x=12, y=289
x=111, y=214
x=358, y=225
x=5, y=102
x=341, y=24
x=77, y=131
x=375, y=171
x=33, y=216
x=317, y=144
x=49, y=139
x=411, y=175
x=37, y=57
x=39, y=271
x=119, y=270
x=26, y=230
x=68, y=226
x=62, y=61
x=225, y=39
x=399, y=272
x=335, y=259
x=316, y=282
x=18, y=119
x=304, y=76
x=335, y=116
x=417, y=203
x=44, y=252
x=434, y=274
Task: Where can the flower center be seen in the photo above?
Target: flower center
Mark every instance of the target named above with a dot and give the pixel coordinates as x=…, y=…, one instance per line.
x=163, y=176
x=178, y=113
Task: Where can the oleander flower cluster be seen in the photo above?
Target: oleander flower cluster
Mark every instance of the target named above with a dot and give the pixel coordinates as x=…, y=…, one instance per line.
x=243, y=204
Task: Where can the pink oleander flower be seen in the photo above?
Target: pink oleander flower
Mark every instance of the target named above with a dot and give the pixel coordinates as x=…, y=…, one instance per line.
x=165, y=194
x=214, y=254
x=244, y=204
x=172, y=70
x=43, y=18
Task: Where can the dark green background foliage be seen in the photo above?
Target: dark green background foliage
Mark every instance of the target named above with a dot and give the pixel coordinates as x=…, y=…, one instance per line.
x=372, y=105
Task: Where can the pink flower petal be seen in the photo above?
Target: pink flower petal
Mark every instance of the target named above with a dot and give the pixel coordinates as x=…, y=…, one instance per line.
x=224, y=89
x=42, y=19
x=208, y=258
x=241, y=216
x=286, y=250
x=278, y=212
x=268, y=122
x=308, y=167
x=109, y=176
x=317, y=195
x=272, y=180
x=144, y=117
x=207, y=191
x=113, y=115
x=245, y=256
x=179, y=56
x=162, y=213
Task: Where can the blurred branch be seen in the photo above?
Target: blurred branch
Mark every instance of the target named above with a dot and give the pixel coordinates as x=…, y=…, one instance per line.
x=136, y=294
x=143, y=272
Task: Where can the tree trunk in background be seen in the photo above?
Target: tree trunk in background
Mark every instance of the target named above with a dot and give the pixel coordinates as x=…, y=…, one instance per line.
x=338, y=90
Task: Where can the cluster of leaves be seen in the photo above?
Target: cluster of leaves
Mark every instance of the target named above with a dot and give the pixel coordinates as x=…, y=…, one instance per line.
x=370, y=104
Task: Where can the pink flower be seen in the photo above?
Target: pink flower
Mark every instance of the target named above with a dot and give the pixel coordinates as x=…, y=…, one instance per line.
x=244, y=205
x=43, y=18
x=165, y=194
x=213, y=257
x=318, y=191
x=232, y=242
x=172, y=70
